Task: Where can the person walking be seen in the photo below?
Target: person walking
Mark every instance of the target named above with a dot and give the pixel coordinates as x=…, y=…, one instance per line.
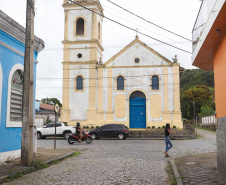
x=167, y=139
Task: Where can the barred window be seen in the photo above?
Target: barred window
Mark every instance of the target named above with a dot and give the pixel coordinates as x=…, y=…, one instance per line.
x=79, y=83
x=120, y=83
x=16, y=96
x=80, y=25
x=155, y=82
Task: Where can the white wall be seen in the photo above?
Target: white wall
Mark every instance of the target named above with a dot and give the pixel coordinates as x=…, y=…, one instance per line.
x=75, y=51
x=137, y=51
x=79, y=101
x=72, y=14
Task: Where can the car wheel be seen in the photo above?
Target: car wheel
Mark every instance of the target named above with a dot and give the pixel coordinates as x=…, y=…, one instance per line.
x=120, y=136
x=94, y=136
x=39, y=135
x=66, y=135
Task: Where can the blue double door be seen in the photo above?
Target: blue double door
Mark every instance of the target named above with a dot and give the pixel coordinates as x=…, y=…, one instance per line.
x=137, y=112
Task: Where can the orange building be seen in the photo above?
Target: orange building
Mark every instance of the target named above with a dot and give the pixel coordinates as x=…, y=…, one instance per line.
x=209, y=53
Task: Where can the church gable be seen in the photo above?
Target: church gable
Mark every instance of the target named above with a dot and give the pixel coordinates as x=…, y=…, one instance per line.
x=137, y=54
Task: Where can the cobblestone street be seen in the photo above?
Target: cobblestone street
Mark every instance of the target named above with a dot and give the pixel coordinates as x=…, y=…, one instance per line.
x=117, y=162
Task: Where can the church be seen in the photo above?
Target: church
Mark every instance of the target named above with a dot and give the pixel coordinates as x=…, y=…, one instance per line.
x=138, y=87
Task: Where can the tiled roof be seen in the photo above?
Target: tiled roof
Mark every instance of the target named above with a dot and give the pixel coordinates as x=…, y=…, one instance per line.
x=46, y=106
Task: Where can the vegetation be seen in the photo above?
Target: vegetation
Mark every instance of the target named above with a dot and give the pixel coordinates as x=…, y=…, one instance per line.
x=148, y=127
x=197, y=86
x=171, y=175
x=192, y=77
x=153, y=127
x=51, y=101
x=203, y=97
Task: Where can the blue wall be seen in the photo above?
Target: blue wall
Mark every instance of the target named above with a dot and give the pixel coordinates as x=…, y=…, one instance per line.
x=10, y=138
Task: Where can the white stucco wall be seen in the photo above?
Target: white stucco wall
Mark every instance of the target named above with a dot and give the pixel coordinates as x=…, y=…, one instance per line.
x=72, y=14
x=76, y=49
x=79, y=101
x=4, y=156
x=170, y=90
x=138, y=51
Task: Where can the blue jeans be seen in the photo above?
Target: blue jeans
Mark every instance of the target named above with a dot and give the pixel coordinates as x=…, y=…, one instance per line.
x=168, y=143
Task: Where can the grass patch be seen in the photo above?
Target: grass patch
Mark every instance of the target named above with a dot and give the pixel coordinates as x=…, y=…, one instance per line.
x=171, y=175
x=38, y=164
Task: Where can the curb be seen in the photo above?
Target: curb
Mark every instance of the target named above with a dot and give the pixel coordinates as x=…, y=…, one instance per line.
x=176, y=173
x=60, y=158
x=29, y=168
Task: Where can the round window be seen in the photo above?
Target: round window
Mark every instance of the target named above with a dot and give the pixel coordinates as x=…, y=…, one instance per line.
x=79, y=55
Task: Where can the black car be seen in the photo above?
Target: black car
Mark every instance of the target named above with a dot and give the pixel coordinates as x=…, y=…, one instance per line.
x=110, y=131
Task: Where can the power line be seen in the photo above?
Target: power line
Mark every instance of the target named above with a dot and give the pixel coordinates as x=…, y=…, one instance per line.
x=145, y=28
x=104, y=77
x=130, y=28
x=149, y=21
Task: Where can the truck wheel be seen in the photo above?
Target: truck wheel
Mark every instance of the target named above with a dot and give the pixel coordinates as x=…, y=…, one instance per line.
x=66, y=135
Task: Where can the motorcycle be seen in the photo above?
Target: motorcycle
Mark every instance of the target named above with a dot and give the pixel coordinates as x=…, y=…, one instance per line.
x=74, y=138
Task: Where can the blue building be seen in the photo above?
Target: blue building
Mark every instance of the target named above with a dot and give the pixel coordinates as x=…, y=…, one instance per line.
x=12, y=49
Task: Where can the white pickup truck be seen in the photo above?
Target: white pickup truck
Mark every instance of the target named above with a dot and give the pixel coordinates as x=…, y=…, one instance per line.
x=49, y=130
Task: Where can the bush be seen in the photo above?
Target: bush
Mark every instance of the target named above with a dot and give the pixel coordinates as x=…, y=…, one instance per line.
x=97, y=126
x=158, y=127
x=163, y=126
x=87, y=127
x=174, y=126
x=92, y=127
x=148, y=127
x=153, y=127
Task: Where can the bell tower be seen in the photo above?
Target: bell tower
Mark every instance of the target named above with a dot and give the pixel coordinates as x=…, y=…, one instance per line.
x=82, y=52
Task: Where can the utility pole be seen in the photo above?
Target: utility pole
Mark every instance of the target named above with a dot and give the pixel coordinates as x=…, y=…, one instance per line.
x=28, y=89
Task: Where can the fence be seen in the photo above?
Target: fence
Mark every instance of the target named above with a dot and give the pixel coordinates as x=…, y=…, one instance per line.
x=209, y=120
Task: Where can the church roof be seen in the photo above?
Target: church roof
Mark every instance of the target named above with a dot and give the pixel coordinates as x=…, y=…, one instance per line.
x=136, y=40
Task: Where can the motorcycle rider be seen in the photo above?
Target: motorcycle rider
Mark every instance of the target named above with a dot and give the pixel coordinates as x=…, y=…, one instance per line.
x=79, y=131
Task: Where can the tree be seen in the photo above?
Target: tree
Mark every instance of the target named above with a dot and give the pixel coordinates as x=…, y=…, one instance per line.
x=201, y=95
x=192, y=77
x=206, y=111
x=51, y=101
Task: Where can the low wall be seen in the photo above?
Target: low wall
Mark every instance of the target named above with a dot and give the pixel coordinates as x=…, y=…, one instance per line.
x=210, y=127
x=187, y=133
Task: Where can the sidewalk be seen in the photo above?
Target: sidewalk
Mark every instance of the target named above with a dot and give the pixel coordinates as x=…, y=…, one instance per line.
x=199, y=169
x=43, y=155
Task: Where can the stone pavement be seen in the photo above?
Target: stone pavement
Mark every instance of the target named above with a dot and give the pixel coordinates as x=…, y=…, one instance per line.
x=199, y=169
x=117, y=161
x=11, y=167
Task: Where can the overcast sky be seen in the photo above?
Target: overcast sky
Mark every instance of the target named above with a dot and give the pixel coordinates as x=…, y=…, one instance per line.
x=175, y=15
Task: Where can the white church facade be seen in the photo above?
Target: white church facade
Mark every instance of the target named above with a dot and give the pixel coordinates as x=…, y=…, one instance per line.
x=137, y=87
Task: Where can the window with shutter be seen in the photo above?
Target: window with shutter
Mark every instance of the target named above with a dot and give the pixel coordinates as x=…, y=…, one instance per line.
x=16, y=96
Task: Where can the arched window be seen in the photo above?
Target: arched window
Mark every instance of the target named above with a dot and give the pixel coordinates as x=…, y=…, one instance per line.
x=155, y=82
x=79, y=83
x=80, y=25
x=120, y=83
x=16, y=96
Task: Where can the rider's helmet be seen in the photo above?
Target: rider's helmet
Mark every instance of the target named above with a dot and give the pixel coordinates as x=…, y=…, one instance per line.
x=78, y=124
